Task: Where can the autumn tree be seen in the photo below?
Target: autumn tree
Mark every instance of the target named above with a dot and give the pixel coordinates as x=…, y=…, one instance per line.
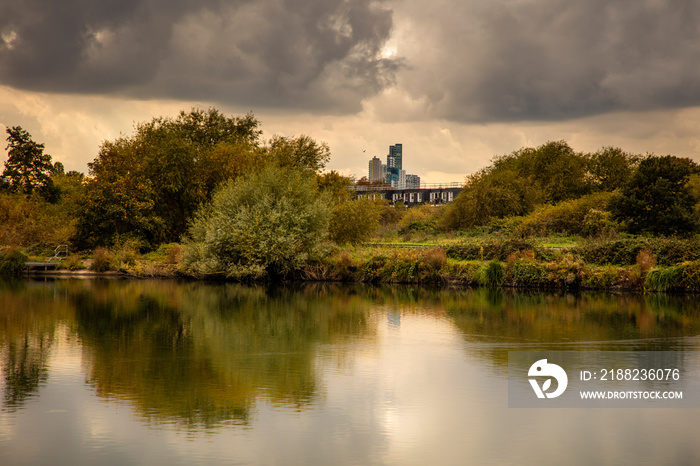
x=515, y=184
x=148, y=186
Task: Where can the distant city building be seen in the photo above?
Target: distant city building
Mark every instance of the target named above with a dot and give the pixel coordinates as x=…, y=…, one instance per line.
x=395, y=157
x=394, y=162
x=392, y=172
x=412, y=182
x=375, y=170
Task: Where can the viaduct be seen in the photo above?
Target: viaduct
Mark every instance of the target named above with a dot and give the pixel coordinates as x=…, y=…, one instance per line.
x=429, y=193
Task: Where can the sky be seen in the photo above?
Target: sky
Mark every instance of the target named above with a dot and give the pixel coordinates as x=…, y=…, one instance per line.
x=457, y=82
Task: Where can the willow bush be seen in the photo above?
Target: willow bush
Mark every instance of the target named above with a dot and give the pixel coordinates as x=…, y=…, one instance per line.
x=265, y=224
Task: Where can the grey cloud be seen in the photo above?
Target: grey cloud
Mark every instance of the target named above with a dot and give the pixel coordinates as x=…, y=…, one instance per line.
x=503, y=60
x=319, y=54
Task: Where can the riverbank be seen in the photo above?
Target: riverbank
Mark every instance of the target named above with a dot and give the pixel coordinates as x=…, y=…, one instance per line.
x=629, y=264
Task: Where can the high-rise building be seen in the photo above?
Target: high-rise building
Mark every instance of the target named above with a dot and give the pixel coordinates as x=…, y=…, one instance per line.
x=375, y=169
x=394, y=162
x=395, y=157
x=392, y=173
x=412, y=182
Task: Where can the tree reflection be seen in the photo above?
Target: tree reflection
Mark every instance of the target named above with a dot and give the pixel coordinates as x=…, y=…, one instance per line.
x=27, y=333
x=202, y=354
x=25, y=369
x=553, y=321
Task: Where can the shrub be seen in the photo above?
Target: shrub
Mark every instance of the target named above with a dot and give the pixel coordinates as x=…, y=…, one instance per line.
x=525, y=272
x=354, y=221
x=372, y=268
x=598, y=223
x=493, y=249
x=491, y=274
x=420, y=218
x=434, y=259
x=102, y=260
x=464, y=272
x=645, y=261
x=265, y=224
x=668, y=251
x=568, y=217
x=12, y=262
x=73, y=263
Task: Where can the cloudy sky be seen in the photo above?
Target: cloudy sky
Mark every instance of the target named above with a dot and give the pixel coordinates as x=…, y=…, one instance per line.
x=455, y=81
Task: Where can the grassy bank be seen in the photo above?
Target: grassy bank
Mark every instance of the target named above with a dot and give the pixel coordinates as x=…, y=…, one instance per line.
x=641, y=264
x=522, y=269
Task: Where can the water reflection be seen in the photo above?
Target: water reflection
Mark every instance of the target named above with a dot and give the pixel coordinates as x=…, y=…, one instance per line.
x=202, y=355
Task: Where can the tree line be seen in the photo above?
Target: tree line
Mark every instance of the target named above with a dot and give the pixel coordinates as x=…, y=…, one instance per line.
x=247, y=206
x=637, y=194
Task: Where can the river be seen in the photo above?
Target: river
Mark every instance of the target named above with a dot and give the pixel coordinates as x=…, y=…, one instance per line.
x=168, y=372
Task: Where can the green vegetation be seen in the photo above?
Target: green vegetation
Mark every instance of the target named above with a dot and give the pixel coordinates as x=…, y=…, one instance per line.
x=353, y=221
x=657, y=199
x=266, y=224
x=149, y=185
x=203, y=194
x=28, y=169
x=12, y=262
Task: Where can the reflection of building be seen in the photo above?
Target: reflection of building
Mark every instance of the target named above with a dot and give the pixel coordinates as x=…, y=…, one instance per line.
x=393, y=319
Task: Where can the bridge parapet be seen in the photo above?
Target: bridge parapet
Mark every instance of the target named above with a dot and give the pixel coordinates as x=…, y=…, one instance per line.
x=436, y=194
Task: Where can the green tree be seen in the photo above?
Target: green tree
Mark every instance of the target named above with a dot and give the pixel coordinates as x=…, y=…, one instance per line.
x=335, y=185
x=119, y=200
x=28, y=168
x=657, y=199
x=264, y=224
x=300, y=152
x=610, y=168
x=553, y=168
x=492, y=193
x=516, y=183
x=149, y=185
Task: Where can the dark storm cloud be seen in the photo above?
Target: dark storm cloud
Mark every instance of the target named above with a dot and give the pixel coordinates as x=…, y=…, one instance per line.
x=509, y=60
x=466, y=60
x=312, y=54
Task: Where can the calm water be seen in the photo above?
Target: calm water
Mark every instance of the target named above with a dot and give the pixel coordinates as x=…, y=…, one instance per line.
x=161, y=372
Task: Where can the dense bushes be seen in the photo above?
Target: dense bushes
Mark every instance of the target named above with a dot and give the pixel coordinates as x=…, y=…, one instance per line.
x=495, y=250
x=354, y=222
x=684, y=276
x=31, y=221
x=12, y=262
x=517, y=183
x=668, y=251
x=423, y=218
x=571, y=217
x=265, y=224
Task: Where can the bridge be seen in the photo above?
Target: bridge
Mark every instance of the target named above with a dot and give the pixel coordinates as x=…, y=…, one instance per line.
x=432, y=193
